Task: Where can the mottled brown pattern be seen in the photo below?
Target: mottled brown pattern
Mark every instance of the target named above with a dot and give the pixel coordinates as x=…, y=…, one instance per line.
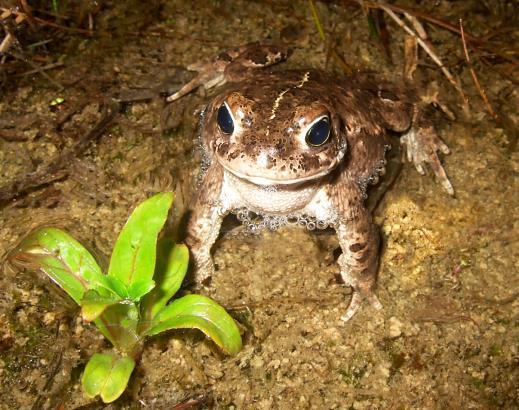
x=357, y=247
x=204, y=220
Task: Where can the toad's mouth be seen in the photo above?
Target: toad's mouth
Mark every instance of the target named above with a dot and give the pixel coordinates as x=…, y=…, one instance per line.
x=282, y=180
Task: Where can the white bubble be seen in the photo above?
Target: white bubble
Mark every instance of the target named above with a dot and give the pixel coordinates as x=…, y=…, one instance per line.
x=256, y=222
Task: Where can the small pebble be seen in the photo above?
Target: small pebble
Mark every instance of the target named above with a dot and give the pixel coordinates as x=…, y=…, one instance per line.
x=395, y=327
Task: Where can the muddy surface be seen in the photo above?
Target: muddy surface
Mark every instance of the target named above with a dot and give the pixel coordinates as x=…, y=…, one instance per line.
x=448, y=336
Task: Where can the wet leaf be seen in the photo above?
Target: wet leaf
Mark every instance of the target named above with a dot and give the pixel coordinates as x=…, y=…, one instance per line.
x=172, y=262
x=133, y=257
x=138, y=289
x=107, y=375
x=93, y=304
x=118, y=323
x=63, y=259
x=199, y=312
x=118, y=287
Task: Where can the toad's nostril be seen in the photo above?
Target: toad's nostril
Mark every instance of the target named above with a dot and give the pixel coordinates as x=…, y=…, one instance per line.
x=263, y=160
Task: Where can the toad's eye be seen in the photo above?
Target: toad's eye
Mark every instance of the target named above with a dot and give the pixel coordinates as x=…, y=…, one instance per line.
x=319, y=133
x=225, y=120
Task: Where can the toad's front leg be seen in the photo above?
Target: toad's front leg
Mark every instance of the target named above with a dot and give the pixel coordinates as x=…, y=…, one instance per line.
x=422, y=145
x=359, y=240
x=205, y=220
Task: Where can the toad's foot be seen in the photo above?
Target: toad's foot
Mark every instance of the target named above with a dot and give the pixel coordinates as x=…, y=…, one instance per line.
x=356, y=302
x=209, y=75
x=422, y=146
x=204, y=267
x=362, y=289
x=232, y=65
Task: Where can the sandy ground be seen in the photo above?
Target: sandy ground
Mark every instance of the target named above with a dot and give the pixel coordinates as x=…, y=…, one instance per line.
x=448, y=336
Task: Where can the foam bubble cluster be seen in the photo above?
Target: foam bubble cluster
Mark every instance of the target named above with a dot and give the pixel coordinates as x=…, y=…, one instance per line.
x=256, y=222
x=380, y=169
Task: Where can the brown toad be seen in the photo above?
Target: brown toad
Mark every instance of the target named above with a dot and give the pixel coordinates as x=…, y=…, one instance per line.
x=301, y=146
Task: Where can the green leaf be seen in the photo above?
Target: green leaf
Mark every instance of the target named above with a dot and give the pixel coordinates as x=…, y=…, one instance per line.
x=133, y=257
x=203, y=313
x=118, y=323
x=172, y=262
x=118, y=380
x=63, y=259
x=93, y=304
x=138, y=289
x=118, y=287
x=107, y=375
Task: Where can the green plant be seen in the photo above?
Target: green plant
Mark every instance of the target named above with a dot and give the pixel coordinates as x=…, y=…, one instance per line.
x=130, y=302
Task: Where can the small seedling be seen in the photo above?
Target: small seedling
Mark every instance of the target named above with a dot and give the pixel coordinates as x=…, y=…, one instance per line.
x=130, y=302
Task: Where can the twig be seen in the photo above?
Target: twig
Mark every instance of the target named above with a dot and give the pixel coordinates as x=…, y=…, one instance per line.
x=56, y=168
x=410, y=57
x=57, y=360
x=417, y=26
x=441, y=23
x=12, y=136
x=59, y=26
x=37, y=69
x=6, y=43
x=426, y=17
x=427, y=49
x=192, y=402
x=27, y=13
x=40, y=69
x=481, y=91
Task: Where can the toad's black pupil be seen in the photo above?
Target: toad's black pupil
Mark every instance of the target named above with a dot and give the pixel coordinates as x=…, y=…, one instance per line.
x=225, y=120
x=319, y=133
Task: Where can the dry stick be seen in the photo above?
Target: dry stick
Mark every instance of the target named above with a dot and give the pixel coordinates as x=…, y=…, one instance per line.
x=32, y=20
x=42, y=396
x=56, y=168
x=427, y=49
x=191, y=403
x=444, y=24
x=7, y=42
x=426, y=17
x=417, y=26
x=481, y=91
x=40, y=69
x=64, y=28
x=28, y=13
x=9, y=38
x=37, y=69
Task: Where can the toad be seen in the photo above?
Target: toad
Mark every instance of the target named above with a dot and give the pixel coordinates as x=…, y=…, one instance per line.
x=301, y=147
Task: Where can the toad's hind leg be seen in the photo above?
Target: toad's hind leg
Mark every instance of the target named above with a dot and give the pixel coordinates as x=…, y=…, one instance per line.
x=359, y=240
